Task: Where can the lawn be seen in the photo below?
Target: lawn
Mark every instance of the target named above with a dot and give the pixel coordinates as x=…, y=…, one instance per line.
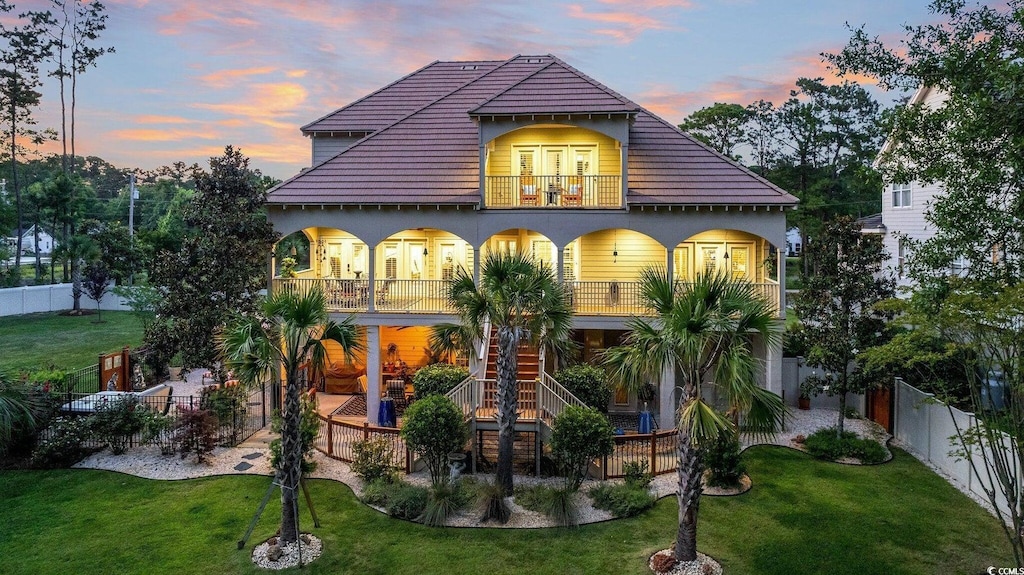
x=803, y=516
x=39, y=340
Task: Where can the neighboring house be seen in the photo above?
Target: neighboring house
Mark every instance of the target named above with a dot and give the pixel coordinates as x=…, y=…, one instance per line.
x=457, y=159
x=794, y=243
x=871, y=224
x=904, y=205
x=28, y=241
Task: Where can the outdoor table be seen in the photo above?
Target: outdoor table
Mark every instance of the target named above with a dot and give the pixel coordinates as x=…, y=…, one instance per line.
x=90, y=403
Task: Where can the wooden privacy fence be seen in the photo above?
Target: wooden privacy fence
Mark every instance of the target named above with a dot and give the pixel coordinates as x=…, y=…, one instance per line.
x=337, y=440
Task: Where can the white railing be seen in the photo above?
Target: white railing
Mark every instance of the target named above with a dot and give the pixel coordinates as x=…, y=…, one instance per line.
x=601, y=298
x=565, y=191
x=408, y=296
x=553, y=398
x=465, y=395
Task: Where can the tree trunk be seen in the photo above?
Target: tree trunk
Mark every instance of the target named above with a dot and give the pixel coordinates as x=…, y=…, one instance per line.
x=688, y=495
x=507, y=404
x=291, y=459
x=14, y=183
x=76, y=284
x=842, y=406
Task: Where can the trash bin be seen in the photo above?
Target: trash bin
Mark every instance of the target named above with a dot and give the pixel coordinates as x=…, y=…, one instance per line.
x=386, y=413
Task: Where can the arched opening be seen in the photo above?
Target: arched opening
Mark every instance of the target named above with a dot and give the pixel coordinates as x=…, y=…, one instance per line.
x=292, y=255
x=412, y=268
x=534, y=244
x=553, y=166
x=741, y=255
x=603, y=269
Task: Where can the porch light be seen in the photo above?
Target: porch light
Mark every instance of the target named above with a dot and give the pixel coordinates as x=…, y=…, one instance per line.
x=424, y=251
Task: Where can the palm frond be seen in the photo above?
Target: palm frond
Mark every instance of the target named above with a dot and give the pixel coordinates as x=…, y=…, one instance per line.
x=701, y=423
x=766, y=414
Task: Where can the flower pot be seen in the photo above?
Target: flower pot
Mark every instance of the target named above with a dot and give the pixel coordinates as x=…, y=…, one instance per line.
x=803, y=402
x=175, y=373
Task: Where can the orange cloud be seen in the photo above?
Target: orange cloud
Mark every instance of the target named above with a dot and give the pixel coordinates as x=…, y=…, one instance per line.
x=626, y=26
x=647, y=4
x=226, y=78
x=157, y=119
x=154, y=135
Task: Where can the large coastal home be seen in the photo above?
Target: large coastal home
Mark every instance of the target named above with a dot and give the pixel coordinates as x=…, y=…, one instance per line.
x=433, y=171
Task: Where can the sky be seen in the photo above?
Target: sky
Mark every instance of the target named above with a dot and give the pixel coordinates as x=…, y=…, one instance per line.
x=191, y=76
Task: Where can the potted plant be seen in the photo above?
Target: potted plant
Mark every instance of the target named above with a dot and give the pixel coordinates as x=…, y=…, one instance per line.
x=808, y=387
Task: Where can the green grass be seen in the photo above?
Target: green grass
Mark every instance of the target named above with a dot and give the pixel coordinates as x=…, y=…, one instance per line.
x=802, y=516
x=36, y=341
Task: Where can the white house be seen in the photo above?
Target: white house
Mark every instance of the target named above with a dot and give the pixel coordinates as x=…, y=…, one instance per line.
x=794, y=244
x=904, y=204
x=28, y=241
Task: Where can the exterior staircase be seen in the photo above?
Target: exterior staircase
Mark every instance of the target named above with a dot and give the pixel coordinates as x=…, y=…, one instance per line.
x=529, y=360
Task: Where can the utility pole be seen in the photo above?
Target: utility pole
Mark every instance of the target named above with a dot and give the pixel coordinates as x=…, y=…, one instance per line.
x=133, y=195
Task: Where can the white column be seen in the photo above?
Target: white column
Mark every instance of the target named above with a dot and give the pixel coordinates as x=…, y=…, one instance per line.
x=371, y=277
x=372, y=372
x=560, y=265
x=670, y=263
x=667, y=399
x=773, y=370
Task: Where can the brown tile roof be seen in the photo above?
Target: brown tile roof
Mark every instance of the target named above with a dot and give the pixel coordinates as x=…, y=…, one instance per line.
x=667, y=166
x=425, y=145
x=557, y=88
x=400, y=98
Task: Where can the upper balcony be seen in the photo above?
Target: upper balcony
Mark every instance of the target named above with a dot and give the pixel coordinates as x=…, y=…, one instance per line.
x=553, y=166
x=553, y=192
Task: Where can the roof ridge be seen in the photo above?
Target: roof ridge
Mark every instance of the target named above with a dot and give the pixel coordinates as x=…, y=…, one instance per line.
x=715, y=152
x=373, y=93
x=528, y=76
x=587, y=78
x=394, y=123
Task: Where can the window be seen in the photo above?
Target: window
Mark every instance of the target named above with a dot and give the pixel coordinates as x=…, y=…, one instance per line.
x=901, y=258
x=958, y=266
x=901, y=195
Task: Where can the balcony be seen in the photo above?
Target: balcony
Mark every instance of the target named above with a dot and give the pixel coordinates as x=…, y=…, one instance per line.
x=594, y=298
x=552, y=192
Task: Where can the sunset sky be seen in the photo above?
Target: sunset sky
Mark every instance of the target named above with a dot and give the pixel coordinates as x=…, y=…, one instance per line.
x=191, y=76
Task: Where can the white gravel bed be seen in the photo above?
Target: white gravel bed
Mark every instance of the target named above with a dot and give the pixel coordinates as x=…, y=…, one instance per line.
x=149, y=463
x=704, y=565
x=308, y=550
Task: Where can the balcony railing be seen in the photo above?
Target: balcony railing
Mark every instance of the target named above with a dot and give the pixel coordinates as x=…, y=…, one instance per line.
x=553, y=192
x=600, y=298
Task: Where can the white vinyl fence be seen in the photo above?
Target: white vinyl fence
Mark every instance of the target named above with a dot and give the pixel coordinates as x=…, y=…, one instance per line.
x=47, y=298
x=794, y=372
x=927, y=428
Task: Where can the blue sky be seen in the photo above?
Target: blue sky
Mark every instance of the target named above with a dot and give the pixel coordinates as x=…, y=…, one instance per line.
x=190, y=76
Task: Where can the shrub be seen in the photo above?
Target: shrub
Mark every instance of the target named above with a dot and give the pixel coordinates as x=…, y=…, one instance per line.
x=62, y=445
x=580, y=435
x=824, y=444
x=636, y=474
x=723, y=460
x=437, y=379
x=558, y=504
x=623, y=499
x=372, y=460
x=444, y=501
x=851, y=413
x=433, y=428
x=588, y=383
x=309, y=426
x=227, y=404
x=115, y=422
x=52, y=379
x=492, y=497
x=196, y=432
x=158, y=430
x=406, y=501
x=377, y=492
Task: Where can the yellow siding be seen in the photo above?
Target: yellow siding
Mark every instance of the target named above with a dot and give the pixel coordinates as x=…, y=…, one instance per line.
x=499, y=162
x=635, y=252
x=757, y=251
x=411, y=341
x=336, y=355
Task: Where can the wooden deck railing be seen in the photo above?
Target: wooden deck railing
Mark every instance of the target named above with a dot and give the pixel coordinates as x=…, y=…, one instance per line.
x=553, y=192
x=336, y=439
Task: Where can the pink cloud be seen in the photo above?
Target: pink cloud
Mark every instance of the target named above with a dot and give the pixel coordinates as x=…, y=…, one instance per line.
x=160, y=135
x=625, y=26
x=226, y=78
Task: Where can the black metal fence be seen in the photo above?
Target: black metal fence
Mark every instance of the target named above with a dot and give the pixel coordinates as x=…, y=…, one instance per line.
x=239, y=413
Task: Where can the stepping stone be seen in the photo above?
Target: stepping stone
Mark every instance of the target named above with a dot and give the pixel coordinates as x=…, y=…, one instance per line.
x=251, y=456
x=243, y=466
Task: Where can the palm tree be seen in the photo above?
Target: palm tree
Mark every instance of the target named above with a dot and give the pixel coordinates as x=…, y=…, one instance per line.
x=703, y=331
x=523, y=302
x=290, y=329
x=78, y=250
x=18, y=409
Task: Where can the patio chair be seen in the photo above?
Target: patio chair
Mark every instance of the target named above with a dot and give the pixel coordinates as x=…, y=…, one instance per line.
x=396, y=391
x=573, y=194
x=382, y=294
x=527, y=191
